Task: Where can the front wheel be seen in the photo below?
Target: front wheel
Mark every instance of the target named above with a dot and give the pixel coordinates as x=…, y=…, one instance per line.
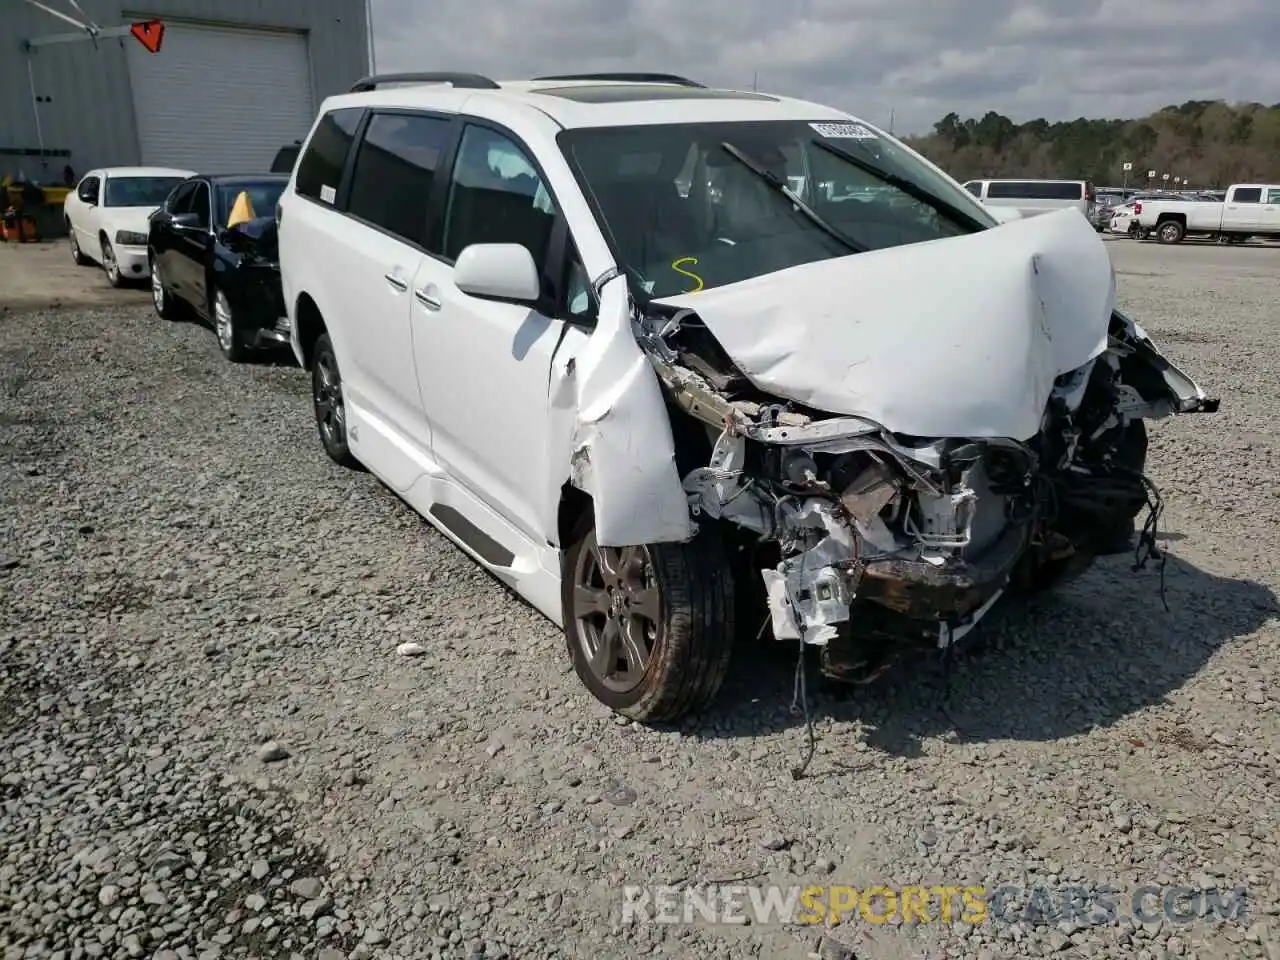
x=327, y=401
x=230, y=339
x=649, y=628
x=166, y=306
x=110, y=265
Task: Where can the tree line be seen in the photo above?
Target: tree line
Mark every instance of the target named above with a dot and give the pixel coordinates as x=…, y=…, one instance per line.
x=1208, y=143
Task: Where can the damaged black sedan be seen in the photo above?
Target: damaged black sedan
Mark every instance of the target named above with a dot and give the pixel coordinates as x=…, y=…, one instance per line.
x=213, y=253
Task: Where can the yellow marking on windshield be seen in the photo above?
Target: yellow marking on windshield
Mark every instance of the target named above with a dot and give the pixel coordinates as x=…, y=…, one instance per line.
x=675, y=265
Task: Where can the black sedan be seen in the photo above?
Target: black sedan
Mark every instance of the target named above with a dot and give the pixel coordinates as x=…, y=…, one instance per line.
x=213, y=252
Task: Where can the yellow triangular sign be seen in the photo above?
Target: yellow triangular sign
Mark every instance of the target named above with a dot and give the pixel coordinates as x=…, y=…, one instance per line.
x=242, y=211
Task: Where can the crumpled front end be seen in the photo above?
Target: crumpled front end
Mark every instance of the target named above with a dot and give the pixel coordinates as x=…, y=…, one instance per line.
x=868, y=536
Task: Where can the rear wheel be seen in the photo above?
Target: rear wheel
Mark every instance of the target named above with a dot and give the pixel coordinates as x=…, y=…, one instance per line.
x=77, y=255
x=1171, y=231
x=327, y=401
x=649, y=628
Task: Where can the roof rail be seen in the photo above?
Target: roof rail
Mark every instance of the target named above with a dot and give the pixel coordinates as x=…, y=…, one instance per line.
x=629, y=78
x=468, y=81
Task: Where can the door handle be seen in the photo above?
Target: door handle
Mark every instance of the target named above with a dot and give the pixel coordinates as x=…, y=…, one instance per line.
x=399, y=284
x=424, y=297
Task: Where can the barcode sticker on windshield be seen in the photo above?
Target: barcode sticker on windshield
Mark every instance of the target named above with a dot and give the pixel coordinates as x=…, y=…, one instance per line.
x=328, y=194
x=844, y=131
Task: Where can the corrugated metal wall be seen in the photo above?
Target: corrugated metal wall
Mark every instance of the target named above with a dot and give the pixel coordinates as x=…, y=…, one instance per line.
x=86, y=103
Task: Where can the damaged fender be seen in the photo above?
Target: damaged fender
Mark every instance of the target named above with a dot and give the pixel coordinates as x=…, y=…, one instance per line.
x=623, y=448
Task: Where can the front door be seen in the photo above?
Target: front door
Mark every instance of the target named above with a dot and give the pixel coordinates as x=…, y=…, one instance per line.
x=191, y=249
x=484, y=366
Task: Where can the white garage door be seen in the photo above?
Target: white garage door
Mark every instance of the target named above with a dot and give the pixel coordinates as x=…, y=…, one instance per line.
x=220, y=100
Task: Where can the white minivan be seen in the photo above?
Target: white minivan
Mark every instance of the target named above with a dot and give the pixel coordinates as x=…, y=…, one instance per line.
x=1030, y=197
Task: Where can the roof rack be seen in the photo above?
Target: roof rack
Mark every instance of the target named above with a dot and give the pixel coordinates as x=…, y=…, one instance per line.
x=629, y=78
x=468, y=81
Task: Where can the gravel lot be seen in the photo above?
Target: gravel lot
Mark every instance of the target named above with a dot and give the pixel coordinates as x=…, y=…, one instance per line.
x=212, y=748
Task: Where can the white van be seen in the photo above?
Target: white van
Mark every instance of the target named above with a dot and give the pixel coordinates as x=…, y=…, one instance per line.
x=1030, y=197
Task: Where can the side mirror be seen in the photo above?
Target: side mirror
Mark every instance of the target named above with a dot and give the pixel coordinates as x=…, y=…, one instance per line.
x=89, y=198
x=185, y=221
x=498, y=271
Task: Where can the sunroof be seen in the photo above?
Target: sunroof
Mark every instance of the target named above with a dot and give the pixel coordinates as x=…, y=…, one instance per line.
x=637, y=92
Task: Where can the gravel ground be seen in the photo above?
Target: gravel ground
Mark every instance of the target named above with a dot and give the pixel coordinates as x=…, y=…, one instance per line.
x=212, y=747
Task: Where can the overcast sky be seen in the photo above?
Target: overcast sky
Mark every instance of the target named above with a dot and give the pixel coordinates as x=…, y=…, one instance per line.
x=1059, y=59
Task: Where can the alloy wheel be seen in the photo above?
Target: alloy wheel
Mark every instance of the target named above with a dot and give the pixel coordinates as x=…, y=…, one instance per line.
x=327, y=395
x=109, y=263
x=157, y=287
x=617, y=612
x=222, y=324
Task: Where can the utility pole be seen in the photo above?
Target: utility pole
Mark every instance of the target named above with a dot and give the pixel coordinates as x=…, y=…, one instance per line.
x=368, y=25
x=755, y=81
x=891, y=116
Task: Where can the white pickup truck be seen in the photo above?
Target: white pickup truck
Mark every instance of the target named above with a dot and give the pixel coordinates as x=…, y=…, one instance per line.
x=1250, y=210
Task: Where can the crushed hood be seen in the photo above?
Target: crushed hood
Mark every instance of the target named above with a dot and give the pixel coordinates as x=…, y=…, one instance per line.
x=961, y=337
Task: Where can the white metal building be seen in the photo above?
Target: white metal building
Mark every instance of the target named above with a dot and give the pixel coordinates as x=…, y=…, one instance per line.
x=233, y=81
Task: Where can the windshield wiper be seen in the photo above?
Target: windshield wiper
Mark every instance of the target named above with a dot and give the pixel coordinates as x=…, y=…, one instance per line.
x=909, y=187
x=781, y=187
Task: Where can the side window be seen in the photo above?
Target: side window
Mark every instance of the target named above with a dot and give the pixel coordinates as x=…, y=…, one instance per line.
x=496, y=196
x=200, y=203
x=1247, y=195
x=974, y=187
x=394, y=172
x=1273, y=195
x=326, y=154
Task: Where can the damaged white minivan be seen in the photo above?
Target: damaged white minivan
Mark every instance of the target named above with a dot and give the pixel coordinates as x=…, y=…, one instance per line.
x=682, y=364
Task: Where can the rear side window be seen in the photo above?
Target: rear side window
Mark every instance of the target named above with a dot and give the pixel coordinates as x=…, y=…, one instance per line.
x=974, y=187
x=394, y=173
x=1035, y=190
x=1247, y=195
x=326, y=154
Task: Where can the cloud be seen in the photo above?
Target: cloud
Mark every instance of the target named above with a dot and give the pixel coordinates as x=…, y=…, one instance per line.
x=920, y=59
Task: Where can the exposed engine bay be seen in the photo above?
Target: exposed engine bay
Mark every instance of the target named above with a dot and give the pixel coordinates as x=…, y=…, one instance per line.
x=879, y=538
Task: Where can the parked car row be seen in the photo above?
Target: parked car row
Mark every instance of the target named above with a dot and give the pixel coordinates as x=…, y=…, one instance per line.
x=677, y=362
x=207, y=244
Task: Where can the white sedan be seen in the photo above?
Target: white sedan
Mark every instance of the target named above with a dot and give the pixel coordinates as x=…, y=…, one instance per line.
x=107, y=217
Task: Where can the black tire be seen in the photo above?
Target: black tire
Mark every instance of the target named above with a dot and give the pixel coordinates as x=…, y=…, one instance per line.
x=327, y=402
x=688, y=653
x=109, y=264
x=166, y=306
x=226, y=329
x=77, y=255
x=1171, y=231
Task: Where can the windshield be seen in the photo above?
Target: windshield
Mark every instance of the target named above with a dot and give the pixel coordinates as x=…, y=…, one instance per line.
x=138, y=191
x=262, y=198
x=684, y=212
